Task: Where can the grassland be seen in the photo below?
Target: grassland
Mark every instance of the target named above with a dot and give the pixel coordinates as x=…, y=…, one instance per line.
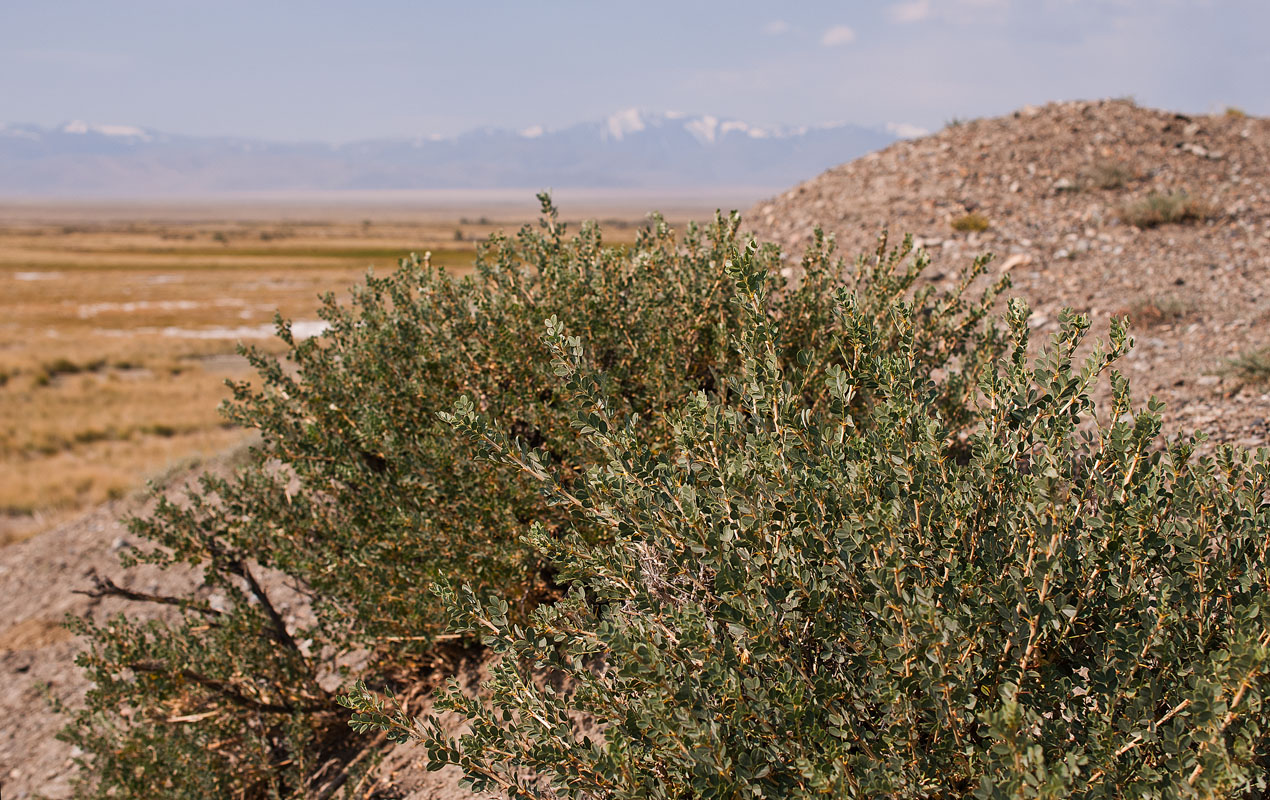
x=117, y=335
x=116, y=340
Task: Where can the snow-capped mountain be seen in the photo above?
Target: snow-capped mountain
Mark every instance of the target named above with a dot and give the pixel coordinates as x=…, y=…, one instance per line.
x=630, y=149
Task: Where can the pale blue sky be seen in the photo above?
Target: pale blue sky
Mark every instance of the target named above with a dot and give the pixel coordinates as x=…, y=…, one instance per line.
x=336, y=71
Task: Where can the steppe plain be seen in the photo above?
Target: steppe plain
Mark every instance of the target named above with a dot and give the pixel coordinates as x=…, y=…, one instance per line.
x=120, y=322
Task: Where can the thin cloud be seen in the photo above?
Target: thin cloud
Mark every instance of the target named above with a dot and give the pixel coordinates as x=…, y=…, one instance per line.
x=776, y=27
x=915, y=11
x=838, y=35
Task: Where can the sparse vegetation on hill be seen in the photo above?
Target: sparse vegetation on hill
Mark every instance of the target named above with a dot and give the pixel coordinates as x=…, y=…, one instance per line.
x=1163, y=208
x=1252, y=367
x=1111, y=175
x=1053, y=180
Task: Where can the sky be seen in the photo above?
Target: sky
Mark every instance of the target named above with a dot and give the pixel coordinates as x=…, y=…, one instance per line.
x=337, y=71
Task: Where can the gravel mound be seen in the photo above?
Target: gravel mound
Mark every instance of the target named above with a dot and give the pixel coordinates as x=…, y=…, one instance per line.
x=1055, y=185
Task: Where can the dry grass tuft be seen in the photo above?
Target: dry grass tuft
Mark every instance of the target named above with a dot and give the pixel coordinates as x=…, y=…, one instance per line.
x=1111, y=175
x=1159, y=208
x=1250, y=368
x=972, y=222
x=1158, y=310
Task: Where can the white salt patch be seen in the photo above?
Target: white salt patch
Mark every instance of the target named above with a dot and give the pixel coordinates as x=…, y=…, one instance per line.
x=301, y=329
x=93, y=309
x=36, y=276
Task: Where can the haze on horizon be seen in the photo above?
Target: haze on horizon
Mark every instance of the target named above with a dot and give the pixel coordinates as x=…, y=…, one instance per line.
x=328, y=71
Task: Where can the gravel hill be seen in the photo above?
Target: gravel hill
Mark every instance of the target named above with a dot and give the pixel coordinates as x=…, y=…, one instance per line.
x=1053, y=184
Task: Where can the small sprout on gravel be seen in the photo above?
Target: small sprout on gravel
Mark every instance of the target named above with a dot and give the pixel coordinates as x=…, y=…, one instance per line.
x=1109, y=175
x=1235, y=112
x=973, y=221
x=1250, y=367
x=1158, y=310
x=1160, y=208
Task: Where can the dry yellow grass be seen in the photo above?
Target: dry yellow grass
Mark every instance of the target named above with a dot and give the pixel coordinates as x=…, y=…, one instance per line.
x=116, y=338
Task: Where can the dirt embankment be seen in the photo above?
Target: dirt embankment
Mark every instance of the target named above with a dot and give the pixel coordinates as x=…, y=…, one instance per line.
x=38, y=579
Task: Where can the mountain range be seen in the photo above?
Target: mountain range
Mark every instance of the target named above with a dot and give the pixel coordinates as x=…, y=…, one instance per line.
x=629, y=149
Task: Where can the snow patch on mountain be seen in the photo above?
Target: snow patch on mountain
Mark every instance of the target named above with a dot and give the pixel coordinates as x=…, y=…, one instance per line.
x=703, y=128
x=15, y=132
x=624, y=123
x=123, y=131
x=630, y=148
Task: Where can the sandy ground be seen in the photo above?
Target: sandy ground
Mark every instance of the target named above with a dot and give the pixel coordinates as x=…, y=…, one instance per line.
x=38, y=579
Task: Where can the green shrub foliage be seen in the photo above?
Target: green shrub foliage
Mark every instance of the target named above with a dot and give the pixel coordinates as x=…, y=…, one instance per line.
x=326, y=547
x=826, y=583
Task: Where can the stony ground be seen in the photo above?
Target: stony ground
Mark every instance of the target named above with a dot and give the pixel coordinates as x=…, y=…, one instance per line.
x=37, y=582
x=40, y=581
x=1052, y=183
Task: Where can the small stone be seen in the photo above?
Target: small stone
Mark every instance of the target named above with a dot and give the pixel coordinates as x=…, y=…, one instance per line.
x=1015, y=260
x=1208, y=380
x=1062, y=253
x=119, y=543
x=1064, y=185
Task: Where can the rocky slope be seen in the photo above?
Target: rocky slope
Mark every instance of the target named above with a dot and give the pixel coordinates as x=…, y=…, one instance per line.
x=1053, y=184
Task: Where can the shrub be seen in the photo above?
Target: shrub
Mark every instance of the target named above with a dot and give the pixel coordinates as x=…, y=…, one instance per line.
x=1162, y=209
x=973, y=221
x=360, y=500
x=812, y=591
x=64, y=366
